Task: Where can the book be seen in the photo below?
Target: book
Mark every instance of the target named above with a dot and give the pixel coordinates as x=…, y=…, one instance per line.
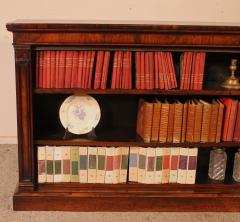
x=52, y=69
x=190, y=121
x=150, y=166
x=116, y=165
x=98, y=70
x=66, y=162
x=177, y=125
x=192, y=165
x=198, y=121
x=58, y=174
x=101, y=164
x=68, y=69
x=124, y=164
x=83, y=164
x=207, y=107
x=182, y=165
x=109, y=174
x=184, y=122
x=219, y=121
x=42, y=171
x=170, y=127
x=50, y=165
x=163, y=127
x=232, y=120
x=138, y=70
x=61, y=69
x=159, y=165
x=166, y=165
x=105, y=69
x=74, y=73
x=236, y=135
x=156, y=121
x=133, y=164
x=80, y=69
x=174, y=157
x=74, y=164
x=213, y=121
x=92, y=165
x=142, y=160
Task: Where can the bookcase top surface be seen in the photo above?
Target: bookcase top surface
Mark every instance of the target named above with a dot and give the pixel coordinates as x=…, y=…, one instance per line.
x=120, y=26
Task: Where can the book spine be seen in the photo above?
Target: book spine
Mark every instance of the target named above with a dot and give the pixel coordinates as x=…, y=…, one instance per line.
x=105, y=70
x=219, y=122
x=236, y=135
x=48, y=69
x=138, y=69
x=101, y=164
x=83, y=164
x=92, y=165
x=84, y=69
x=166, y=165
x=190, y=122
x=80, y=69
x=182, y=166
x=174, y=164
x=213, y=123
x=109, y=174
x=156, y=121
x=91, y=64
x=198, y=122
x=124, y=164
x=52, y=69
x=74, y=164
x=114, y=70
x=150, y=165
x=206, y=122
x=151, y=70
x=201, y=70
x=142, y=71
x=142, y=165
x=62, y=68
x=192, y=165
x=66, y=162
x=147, y=121
x=74, y=74
x=42, y=172
x=116, y=165
x=170, y=122
x=68, y=69
x=184, y=123
x=39, y=69
x=156, y=71
x=50, y=165
x=232, y=120
x=177, y=127
x=159, y=165
x=160, y=71
x=163, y=127
x=58, y=175
x=133, y=164
x=57, y=69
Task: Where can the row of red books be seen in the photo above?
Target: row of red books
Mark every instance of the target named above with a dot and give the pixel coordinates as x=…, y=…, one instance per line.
x=93, y=69
x=155, y=70
x=192, y=70
x=189, y=121
x=231, y=129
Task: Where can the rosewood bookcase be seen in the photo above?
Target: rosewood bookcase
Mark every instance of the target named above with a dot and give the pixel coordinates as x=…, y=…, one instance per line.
x=220, y=41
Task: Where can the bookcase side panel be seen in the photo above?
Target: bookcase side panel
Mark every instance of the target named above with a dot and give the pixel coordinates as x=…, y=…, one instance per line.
x=24, y=114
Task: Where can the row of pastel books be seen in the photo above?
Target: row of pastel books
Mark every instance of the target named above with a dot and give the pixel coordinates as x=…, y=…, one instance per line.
x=192, y=70
x=96, y=69
x=163, y=165
x=82, y=164
x=112, y=165
x=189, y=121
x=231, y=129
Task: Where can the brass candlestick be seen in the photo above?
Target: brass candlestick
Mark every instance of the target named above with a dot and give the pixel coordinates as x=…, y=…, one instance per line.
x=232, y=82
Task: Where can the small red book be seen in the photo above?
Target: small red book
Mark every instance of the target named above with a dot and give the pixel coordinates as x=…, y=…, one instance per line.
x=236, y=135
x=232, y=120
x=92, y=56
x=228, y=104
x=201, y=70
x=68, y=69
x=53, y=69
x=62, y=66
x=156, y=71
x=138, y=70
x=98, y=71
x=142, y=71
x=114, y=70
x=151, y=70
x=74, y=69
x=105, y=69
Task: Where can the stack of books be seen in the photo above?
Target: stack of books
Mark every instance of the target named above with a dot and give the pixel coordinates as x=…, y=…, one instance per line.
x=163, y=165
x=188, y=121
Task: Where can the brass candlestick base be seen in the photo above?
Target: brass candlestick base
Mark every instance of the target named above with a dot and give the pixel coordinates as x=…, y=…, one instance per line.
x=232, y=82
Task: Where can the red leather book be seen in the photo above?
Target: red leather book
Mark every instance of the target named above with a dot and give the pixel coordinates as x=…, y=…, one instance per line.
x=74, y=69
x=119, y=70
x=147, y=71
x=160, y=71
x=124, y=72
x=68, y=69
x=80, y=68
x=41, y=69
x=84, y=69
x=53, y=69
x=105, y=69
x=156, y=71
x=199, y=83
x=236, y=135
x=183, y=59
x=91, y=64
x=151, y=70
x=164, y=71
x=188, y=70
x=142, y=71
x=114, y=70
x=130, y=70
x=219, y=121
x=62, y=66
x=48, y=69
x=168, y=71
x=87, y=73
x=232, y=120
x=195, y=72
x=98, y=71
x=138, y=69
x=37, y=68
x=172, y=70
x=228, y=104
x=57, y=69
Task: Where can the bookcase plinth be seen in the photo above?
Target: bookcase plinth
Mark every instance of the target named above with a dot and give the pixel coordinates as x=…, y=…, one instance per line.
x=126, y=201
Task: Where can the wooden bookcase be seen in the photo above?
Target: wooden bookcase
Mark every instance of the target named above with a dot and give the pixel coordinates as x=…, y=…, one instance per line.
x=221, y=42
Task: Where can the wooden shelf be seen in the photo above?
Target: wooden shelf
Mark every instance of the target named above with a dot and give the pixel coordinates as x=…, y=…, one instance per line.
x=140, y=92
x=86, y=142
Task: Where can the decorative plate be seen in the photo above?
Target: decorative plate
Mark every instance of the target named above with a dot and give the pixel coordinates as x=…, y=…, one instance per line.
x=79, y=114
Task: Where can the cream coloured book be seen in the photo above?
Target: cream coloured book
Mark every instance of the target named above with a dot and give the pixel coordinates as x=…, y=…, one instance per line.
x=50, y=163
x=42, y=172
x=92, y=165
x=83, y=164
x=150, y=165
x=66, y=162
x=58, y=173
x=142, y=161
x=101, y=164
x=174, y=157
x=124, y=164
x=182, y=165
x=158, y=167
x=192, y=165
x=133, y=164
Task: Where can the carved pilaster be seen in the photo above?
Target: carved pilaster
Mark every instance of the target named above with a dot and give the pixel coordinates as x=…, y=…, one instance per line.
x=24, y=112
